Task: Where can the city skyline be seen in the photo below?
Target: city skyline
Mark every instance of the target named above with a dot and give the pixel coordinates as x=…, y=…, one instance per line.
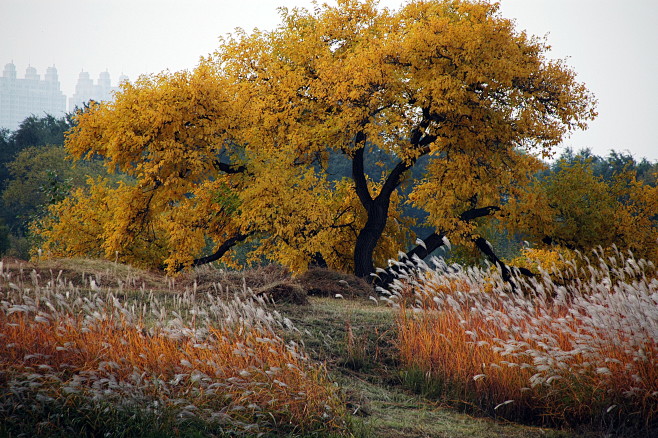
x=23, y=96
x=611, y=46
x=29, y=94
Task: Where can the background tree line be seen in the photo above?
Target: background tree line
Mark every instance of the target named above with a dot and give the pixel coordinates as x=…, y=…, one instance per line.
x=35, y=173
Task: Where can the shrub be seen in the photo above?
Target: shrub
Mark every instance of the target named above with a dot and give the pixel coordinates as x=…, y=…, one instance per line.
x=284, y=292
x=554, y=260
x=328, y=283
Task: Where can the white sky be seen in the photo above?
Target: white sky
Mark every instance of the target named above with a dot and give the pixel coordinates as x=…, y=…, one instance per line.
x=611, y=44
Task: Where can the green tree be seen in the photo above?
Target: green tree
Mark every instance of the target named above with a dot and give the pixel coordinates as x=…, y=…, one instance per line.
x=609, y=166
x=4, y=237
x=572, y=206
x=40, y=176
x=40, y=131
x=33, y=131
x=7, y=153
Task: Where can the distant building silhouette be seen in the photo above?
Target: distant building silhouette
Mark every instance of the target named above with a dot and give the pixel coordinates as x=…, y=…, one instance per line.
x=86, y=90
x=20, y=98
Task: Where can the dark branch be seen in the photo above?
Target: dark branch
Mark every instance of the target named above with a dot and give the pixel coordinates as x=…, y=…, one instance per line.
x=420, y=141
x=485, y=248
x=393, y=180
x=223, y=249
x=419, y=138
x=436, y=240
x=549, y=241
x=475, y=213
x=431, y=242
x=506, y=271
x=229, y=168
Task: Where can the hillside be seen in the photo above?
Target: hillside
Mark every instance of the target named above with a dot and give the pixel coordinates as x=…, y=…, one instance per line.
x=351, y=335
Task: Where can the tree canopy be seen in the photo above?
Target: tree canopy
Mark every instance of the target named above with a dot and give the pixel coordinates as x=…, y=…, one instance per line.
x=40, y=176
x=32, y=168
x=240, y=147
x=33, y=131
x=573, y=207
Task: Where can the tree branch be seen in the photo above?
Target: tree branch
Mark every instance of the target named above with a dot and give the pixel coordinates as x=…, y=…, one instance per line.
x=431, y=242
x=223, y=249
x=549, y=241
x=436, y=240
x=475, y=213
x=229, y=168
x=420, y=142
x=393, y=180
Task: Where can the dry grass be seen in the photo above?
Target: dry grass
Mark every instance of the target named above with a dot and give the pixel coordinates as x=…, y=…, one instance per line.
x=575, y=353
x=208, y=276
x=278, y=283
x=80, y=272
x=326, y=283
x=70, y=355
x=118, y=364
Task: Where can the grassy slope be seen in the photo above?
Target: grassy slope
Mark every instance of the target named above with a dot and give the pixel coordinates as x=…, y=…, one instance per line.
x=354, y=337
x=366, y=368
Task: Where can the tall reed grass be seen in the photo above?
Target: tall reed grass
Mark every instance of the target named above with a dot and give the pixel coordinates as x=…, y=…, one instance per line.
x=82, y=362
x=577, y=349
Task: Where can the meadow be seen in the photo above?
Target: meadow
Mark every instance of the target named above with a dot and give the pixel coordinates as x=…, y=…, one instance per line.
x=95, y=348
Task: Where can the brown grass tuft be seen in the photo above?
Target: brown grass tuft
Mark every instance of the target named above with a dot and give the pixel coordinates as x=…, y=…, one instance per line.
x=326, y=283
x=284, y=292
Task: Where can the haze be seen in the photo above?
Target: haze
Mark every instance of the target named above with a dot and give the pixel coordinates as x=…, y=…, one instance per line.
x=612, y=45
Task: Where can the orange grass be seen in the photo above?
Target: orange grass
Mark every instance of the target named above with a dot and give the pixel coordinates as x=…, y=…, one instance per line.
x=461, y=368
x=557, y=356
x=237, y=373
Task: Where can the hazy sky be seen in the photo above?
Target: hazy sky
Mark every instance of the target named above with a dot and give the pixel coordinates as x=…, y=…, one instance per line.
x=611, y=44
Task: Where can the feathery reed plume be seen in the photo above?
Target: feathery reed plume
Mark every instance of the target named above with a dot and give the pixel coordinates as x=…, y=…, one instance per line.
x=581, y=351
x=68, y=356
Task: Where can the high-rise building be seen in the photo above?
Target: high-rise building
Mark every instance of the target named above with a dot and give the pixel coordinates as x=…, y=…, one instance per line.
x=86, y=90
x=20, y=98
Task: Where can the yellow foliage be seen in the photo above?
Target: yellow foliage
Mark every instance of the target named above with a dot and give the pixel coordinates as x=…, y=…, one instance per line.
x=636, y=219
x=239, y=146
x=552, y=260
x=85, y=223
x=448, y=79
x=574, y=208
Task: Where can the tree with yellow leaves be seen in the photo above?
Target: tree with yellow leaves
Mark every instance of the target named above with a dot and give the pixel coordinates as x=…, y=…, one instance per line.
x=169, y=134
x=240, y=146
x=571, y=207
x=195, y=180
x=450, y=80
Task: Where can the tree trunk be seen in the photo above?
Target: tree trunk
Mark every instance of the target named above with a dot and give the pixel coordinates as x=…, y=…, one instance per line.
x=367, y=239
x=377, y=208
